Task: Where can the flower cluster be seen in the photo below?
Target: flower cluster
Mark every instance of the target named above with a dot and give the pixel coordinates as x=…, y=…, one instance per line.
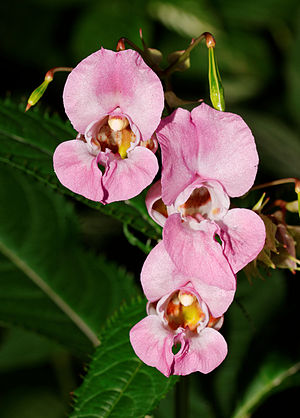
x=115, y=103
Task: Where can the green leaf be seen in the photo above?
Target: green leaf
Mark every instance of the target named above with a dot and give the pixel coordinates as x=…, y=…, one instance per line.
x=273, y=376
x=27, y=142
x=49, y=283
x=118, y=384
x=25, y=305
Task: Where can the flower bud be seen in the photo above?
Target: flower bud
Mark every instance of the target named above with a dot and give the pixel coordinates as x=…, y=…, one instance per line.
x=40, y=90
x=38, y=93
x=181, y=65
x=215, y=83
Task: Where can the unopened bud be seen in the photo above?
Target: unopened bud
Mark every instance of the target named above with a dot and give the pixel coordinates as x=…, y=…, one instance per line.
x=215, y=84
x=37, y=93
x=292, y=206
x=40, y=90
x=186, y=299
x=181, y=64
x=117, y=123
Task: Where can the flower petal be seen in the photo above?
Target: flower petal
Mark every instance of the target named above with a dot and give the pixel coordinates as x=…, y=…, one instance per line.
x=77, y=169
x=124, y=179
x=153, y=199
x=227, y=150
x=152, y=343
x=206, y=352
x=177, y=137
x=208, y=144
x=159, y=276
x=196, y=253
x=106, y=80
x=243, y=233
x=218, y=300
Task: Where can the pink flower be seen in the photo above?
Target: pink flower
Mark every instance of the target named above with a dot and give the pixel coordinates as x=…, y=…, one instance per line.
x=207, y=156
x=114, y=100
x=181, y=310
x=179, y=336
x=160, y=276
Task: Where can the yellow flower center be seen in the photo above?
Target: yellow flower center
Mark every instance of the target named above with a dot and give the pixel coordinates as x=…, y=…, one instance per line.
x=184, y=311
x=116, y=135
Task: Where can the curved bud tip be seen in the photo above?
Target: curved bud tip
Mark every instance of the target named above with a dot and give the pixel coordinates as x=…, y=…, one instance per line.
x=121, y=45
x=210, y=40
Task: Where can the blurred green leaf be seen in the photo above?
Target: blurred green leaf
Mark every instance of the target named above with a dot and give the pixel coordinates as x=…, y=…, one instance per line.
x=292, y=74
x=189, y=18
x=38, y=236
x=278, y=146
x=118, y=384
x=257, y=12
x=272, y=376
x=252, y=310
x=102, y=24
x=31, y=402
x=27, y=142
x=22, y=349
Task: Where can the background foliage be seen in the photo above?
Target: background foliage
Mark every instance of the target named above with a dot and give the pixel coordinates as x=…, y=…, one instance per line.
x=65, y=264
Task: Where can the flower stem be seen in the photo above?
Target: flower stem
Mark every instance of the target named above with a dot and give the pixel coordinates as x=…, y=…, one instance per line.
x=182, y=398
x=275, y=183
x=210, y=42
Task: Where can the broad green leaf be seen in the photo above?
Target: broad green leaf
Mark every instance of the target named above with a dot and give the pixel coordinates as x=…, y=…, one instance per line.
x=272, y=376
x=27, y=142
x=254, y=306
x=50, y=282
x=118, y=384
x=25, y=305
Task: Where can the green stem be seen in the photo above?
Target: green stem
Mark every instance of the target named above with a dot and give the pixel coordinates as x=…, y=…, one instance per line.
x=206, y=35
